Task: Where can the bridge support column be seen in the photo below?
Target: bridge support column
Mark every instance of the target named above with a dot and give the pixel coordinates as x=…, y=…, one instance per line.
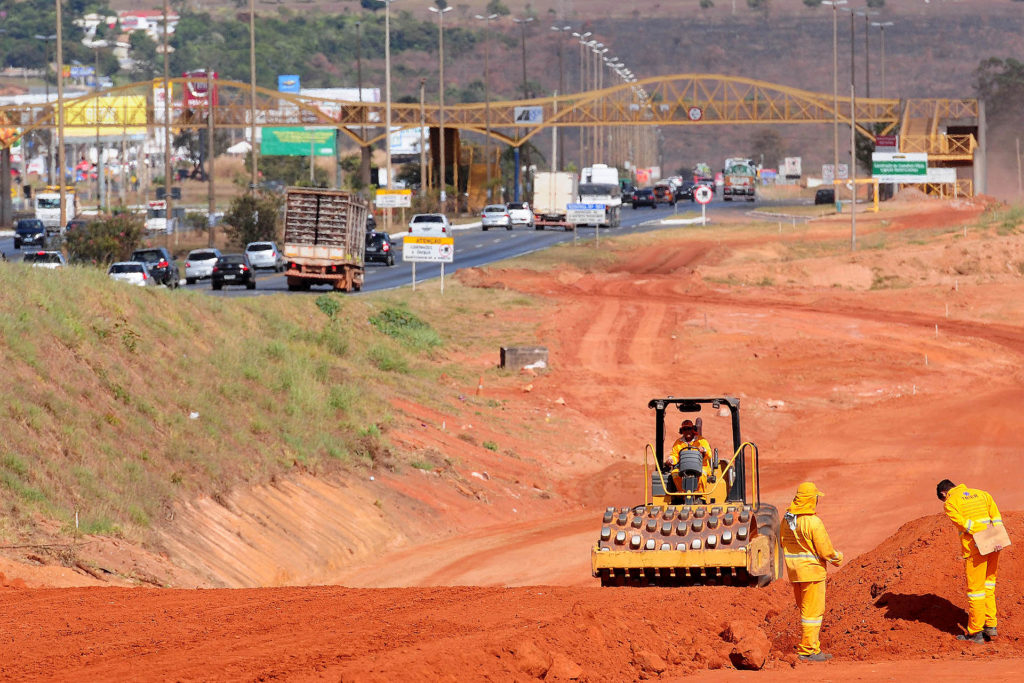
x=981, y=154
x=515, y=174
x=6, y=208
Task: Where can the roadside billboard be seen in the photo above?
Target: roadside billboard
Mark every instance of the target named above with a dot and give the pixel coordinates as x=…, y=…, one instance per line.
x=196, y=87
x=288, y=83
x=298, y=141
x=111, y=116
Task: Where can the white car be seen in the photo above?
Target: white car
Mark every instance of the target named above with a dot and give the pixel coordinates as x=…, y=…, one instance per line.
x=265, y=255
x=45, y=259
x=520, y=213
x=132, y=272
x=199, y=264
x=433, y=224
x=495, y=216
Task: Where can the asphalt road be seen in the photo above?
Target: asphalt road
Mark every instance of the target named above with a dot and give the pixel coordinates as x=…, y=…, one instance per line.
x=473, y=247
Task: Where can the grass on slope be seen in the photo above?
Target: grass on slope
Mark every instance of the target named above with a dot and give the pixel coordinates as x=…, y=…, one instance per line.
x=117, y=400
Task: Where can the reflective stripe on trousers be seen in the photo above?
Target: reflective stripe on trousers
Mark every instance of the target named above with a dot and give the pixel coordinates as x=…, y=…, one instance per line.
x=810, y=599
x=981, y=591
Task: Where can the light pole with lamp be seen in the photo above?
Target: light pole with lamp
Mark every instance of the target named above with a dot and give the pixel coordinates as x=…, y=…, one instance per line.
x=881, y=26
x=599, y=51
x=835, y=86
x=582, y=39
x=252, y=90
x=867, y=14
x=561, y=91
x=515, y=154
x=60, y=118
x=440, y=99
x=46, y=58
x=487, y=101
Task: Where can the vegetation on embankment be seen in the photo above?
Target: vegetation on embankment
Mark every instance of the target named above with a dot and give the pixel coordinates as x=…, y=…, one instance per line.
x=117, y=401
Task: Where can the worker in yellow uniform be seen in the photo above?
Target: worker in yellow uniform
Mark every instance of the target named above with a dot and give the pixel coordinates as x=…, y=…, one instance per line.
x=807, y=547
x=689, y=440
x=972, y=510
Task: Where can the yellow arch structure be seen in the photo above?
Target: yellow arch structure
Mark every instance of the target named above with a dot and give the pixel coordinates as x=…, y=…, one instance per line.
x=675, y=100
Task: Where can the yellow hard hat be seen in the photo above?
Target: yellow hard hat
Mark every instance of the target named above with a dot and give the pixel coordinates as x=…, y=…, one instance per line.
x=808, y=489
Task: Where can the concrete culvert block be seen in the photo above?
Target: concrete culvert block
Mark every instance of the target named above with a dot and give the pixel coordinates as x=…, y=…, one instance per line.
x=517, y=357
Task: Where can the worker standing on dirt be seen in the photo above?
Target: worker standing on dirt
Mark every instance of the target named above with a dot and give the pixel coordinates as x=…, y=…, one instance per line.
x=807, y=547
x=971, y=511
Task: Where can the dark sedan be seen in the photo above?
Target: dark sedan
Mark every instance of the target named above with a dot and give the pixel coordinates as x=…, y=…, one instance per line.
x=644, y=197
x=685, y=191
x=233, y=269
x=379, y=247
x=29, y=232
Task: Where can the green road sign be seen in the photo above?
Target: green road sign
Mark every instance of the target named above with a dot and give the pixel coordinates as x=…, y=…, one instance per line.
x=298, y=142
x=899, y=168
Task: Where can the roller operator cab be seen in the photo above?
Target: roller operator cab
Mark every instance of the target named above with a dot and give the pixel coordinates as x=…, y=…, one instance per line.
x=702, y=520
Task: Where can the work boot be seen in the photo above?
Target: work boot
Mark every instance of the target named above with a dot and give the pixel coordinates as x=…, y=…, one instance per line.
x=972, y=637
x=990, y=633
x=816, y=657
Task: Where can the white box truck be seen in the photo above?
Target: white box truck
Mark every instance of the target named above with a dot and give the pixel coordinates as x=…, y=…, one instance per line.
x=552, y=194
x=599, y=184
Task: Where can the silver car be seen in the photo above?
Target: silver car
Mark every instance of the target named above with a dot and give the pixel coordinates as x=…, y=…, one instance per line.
x=495, y=216
x=45, y=259
x=199, y=264
x=265, y=255
x=132, y=272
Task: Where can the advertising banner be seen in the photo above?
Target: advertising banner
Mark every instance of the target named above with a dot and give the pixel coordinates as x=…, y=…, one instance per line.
x=288, y=83
x=298, y=142
x=106, y=116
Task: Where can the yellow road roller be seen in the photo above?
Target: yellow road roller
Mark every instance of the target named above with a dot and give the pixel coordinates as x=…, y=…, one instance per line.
x=702, y=521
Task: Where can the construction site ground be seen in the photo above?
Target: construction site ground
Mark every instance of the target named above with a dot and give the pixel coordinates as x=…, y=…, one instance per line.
x=874, y=373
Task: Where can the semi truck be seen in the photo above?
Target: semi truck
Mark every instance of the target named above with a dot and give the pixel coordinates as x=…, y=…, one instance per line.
x=324, y=238
x=599, y=184
x=740, y=179
x=552, y=194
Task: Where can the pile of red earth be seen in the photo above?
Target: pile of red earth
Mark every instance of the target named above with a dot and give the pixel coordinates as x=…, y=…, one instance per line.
x=907, y=599
x=902, y=600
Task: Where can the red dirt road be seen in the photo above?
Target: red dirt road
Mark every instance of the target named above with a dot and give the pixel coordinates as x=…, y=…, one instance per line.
x=874, y=374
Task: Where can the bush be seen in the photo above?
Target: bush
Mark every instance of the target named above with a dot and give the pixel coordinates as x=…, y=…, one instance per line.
x=253, y=218
x=109, y=239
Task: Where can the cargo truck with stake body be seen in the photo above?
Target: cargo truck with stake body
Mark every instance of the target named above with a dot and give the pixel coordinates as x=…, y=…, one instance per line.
x=324, y=238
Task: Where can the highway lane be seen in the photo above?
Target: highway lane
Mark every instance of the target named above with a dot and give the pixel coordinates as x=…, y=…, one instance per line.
x=473, y=248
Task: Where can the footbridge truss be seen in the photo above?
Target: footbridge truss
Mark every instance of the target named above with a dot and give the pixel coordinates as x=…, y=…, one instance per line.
x=678, y=100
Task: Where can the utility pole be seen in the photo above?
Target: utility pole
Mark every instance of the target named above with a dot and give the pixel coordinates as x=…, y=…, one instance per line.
x=424, y=179
x=60, y=119
x=167, y=126
x=526, y=95
x=364, y=149
x=211, y=195
x=443, y=179
x=835, y=85
x=254, y=183
x=487, y=101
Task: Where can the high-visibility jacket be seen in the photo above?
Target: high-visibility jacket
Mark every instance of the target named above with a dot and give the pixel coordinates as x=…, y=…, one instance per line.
x=971, y=510
x=807, y=548
x=682, y=444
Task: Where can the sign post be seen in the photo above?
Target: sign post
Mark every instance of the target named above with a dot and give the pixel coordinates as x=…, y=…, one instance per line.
x=702, y=195
x=585, y=214
x=420, y=248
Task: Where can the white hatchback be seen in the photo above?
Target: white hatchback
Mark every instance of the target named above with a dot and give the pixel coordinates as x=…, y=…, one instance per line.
x=132, y=272
x=199, y=264
x=45, y=259
x=435, y=224
x=265, y=255
x=520, y=213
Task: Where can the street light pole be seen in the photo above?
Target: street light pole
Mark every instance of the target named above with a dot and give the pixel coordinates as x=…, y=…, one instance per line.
x=487, y=101
x=60, y=119
x=440, y=99
x=364, y=149
x=526, y=161
x=867, y=51
x=46, y=57
x=561, y=91
x=582, y=38
x=835, y=85
x=252, y=90
x=881, y=26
